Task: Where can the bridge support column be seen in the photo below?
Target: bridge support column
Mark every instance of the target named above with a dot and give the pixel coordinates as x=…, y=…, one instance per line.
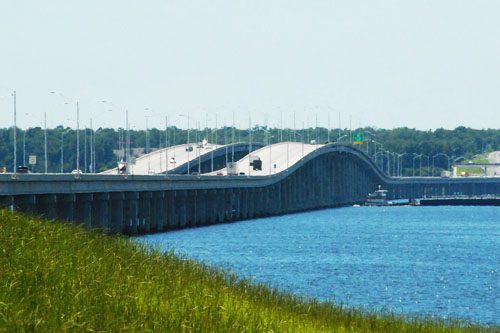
x=221, y=205
x=131, y=212
x=83, y=211
x=289, y=194
x=250, y=204
x=100, y=210
x=6, y=201
x=192, y=207
x=218, y=206
x=262, y=204
x=202, y=215
x=46, y=206
x=144, y=212
x=172, y=221
x=116, y=208
x=210, y=209
x=24, y=203
x=181, y=208
x=229, y=204
x=66, y=207
x=243, y=203
x=157, y=211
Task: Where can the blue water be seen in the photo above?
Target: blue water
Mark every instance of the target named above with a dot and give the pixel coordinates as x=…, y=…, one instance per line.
x=437, y=261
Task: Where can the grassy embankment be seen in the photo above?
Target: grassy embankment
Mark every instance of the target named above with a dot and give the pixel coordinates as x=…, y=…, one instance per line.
x=56, y=277
x=475, y=171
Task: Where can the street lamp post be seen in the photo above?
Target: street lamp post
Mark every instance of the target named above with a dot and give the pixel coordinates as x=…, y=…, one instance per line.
x=166, y=145
x=373, y=137
x=428, y=166
x=15, y=134
x=455, y=159
x=24, y=147
x=375, y=149
x=414, y=157
x=341, y=137
x=400, y=163
x=375, y=157
x=188, y=148
x=62, y=149
x=388, y=155
x=77, y=129
x=45, y=139
x=441, y=154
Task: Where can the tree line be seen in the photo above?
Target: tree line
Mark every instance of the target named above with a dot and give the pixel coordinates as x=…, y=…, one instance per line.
x=396, y=149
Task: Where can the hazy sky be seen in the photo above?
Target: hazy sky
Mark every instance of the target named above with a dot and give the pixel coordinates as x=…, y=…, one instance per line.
x=422, y=64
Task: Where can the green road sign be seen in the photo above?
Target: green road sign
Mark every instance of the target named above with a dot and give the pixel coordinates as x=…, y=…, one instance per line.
x=358, y=138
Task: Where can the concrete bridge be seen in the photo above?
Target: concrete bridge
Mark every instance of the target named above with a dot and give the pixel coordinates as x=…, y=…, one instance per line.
x=188, y=158
x=330, y=176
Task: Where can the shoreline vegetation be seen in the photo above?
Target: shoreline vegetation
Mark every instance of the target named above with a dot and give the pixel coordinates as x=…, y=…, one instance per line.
x=58, y=277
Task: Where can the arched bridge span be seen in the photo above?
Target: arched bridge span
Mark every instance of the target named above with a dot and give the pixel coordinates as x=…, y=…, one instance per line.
x=333, y=175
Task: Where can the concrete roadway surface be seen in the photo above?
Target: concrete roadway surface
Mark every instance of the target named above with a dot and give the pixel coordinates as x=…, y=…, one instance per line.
x=156, y=161
x=282, y=155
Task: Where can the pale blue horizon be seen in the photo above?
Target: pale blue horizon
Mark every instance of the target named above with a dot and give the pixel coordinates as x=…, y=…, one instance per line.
x=385, y=64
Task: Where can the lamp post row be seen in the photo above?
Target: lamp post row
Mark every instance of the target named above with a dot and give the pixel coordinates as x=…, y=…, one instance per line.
x=396, y=168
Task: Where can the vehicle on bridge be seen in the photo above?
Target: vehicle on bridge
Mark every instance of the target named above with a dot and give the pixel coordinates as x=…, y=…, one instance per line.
x=23, y=169
x=122, y=168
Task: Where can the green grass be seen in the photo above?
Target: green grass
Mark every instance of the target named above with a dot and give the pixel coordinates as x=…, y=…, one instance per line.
x=480, y=159
x=470, y=170
x=56, y=277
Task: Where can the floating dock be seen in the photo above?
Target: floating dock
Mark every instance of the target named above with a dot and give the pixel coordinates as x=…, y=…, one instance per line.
x=461, y=201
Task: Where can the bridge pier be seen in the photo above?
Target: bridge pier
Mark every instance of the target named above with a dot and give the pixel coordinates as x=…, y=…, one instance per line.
x=65, y=204
x=157, y=211
x=83, y=212
x=181, y=209
x=203, y=208
x=100, y=210
x=144, y=212
x=24, y=203
x=116, y=210
x=6, y=201
x=46, y=206
x=172, y=221
x=131, y=212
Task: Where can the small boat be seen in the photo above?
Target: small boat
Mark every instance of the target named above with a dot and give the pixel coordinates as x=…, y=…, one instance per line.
x=377, y=198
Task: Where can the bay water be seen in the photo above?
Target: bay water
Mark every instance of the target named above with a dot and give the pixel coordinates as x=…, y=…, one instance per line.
x=434, y=261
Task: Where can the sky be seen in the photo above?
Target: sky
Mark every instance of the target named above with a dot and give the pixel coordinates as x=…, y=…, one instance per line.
x=386, y=64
